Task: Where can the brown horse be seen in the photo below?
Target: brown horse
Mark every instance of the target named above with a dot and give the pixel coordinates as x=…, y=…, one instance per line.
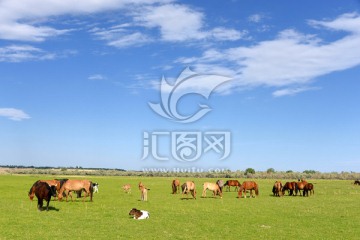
x=143, y=191
x=248, y=185
x=175, y=185
x=212, y=187
x=290, y=187
x=190, y=187
x=357, y=182
x=127, y=188
x=309, y=187
x=300, y=186
x=277, y=189
x=232, y=183
x=42, y=191
x=76, y=185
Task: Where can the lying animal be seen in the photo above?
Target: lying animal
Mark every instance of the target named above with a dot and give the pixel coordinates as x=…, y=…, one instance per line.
x=139, y=214
x=127, y=188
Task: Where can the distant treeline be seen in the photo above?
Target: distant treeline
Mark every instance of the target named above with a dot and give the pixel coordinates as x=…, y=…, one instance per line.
x=177, y=172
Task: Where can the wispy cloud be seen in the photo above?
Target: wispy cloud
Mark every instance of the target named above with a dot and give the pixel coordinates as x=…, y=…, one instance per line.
x=13, y=114
x=97, y=77
x=291, y=59
x=256, y=18
x=20, y=53
x=292, y=91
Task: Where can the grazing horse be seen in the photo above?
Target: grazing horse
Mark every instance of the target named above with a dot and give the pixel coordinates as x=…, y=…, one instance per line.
x=221, y=184
x=127, y=188
x=212, y=187
x=76, y=185
x=190, y=187
x=143, y=191
x=248, y=185
x=232, y=183
x=175, y=185
x=42, y=191
x=300, y=186
x=309, y=187
x=357, y=182
x=277, y=189
x=290, y=187
x=139, y=214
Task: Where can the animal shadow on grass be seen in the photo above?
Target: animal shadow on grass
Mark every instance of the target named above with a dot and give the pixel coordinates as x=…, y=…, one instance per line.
x=50, y=209
x=185, y=198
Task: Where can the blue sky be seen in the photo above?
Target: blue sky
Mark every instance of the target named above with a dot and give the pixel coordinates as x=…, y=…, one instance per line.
x=77, y=79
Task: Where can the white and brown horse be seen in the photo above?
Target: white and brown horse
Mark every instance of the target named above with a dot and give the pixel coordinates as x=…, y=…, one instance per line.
x=190, y=187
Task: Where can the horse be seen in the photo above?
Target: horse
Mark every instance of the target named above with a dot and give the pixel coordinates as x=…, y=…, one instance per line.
x=127, y=188
x=212, y=187
x=139, y=214
x=309, y=187
x=143, y=191
x=76, y=185
x=42, y=191
x=248, y=185
x=277, y=189
x=175, y=185
x=232, y=183
x=300, y=186
x=357, y=182
x=221, y=184
x=190, y=187
x=290, y=187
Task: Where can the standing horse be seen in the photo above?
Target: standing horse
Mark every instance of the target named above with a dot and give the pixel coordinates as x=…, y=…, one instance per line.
x=248, y=185
x=42, y=191
x=356, y=182
x=290, y=187
x=190, y=187
x=212, y=187
x=76, y=185
x=175, y=185
x=277, y=189
x=221, y=184
x=143, y=191
x=309, y=187
x=300, y=186
x=232, y=183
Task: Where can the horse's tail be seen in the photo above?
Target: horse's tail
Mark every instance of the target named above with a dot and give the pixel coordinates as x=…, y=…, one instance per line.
x=257, y=190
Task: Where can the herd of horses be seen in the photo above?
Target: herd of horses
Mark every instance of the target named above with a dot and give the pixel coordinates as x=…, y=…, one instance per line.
x=58, y=188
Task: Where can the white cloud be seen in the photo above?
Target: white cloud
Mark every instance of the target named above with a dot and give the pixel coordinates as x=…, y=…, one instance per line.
x=256, y=18
x=16, y=17
x=20, y=53
x=292, y=91
x=97, y=77
x=13, y=114
x=291, y=59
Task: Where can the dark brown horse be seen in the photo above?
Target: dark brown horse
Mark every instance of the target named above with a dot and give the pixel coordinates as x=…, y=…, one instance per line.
x=357, y=182
x=290, y=187
x=232, y=183
x=248, y=185
x=277, y=189
x=175, y=185
x=42, y=191
x=309, y=187
x=300, y=186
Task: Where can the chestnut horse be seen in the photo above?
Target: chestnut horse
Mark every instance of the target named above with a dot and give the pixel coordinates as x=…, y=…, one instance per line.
x=190, y=187
x=277, y=189
x=248, y=185
x=175, y=185
x=300, y=186
x=232, y=183
x=290, y=187
x=309, y=187
x=212, y=187
x=42, y=191
x=76, y=185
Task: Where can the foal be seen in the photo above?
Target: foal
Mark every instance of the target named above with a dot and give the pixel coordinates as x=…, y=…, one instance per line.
x=139, y=214
x=143, y=191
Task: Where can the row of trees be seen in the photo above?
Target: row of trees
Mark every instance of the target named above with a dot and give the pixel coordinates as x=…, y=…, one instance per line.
x=248, y=173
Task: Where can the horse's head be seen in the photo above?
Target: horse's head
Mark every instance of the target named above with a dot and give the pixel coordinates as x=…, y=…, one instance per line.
x=53, y=191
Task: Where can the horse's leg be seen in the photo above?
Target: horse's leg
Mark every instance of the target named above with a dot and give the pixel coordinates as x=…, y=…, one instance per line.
x=47, y=204
x=40, y=204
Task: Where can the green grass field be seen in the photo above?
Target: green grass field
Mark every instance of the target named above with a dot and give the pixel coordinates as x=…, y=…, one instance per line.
x=332, y=213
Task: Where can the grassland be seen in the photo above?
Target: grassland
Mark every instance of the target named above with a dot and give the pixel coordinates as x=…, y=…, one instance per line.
x=332, y=213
